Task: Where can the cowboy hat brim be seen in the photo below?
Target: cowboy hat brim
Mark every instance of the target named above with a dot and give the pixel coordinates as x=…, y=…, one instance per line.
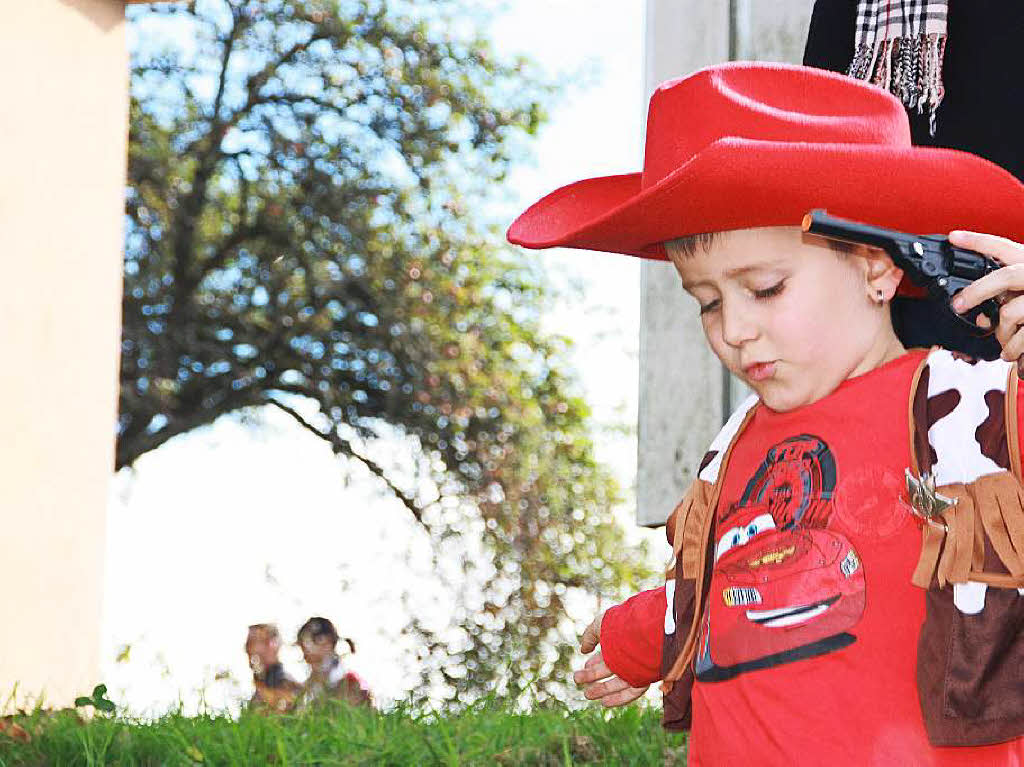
x=739, y=183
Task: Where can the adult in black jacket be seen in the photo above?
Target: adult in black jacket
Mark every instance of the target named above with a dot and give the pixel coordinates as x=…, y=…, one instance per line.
x=982, y=112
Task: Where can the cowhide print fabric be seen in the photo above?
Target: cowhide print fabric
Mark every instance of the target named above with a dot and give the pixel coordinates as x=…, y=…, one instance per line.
x=958, y=398
x=965, y=397
x=971, y=647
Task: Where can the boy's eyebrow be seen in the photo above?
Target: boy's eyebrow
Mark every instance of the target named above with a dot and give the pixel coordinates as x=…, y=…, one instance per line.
x=730, y=273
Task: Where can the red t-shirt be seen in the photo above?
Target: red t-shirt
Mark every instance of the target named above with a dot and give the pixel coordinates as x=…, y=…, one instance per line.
x=808, y=648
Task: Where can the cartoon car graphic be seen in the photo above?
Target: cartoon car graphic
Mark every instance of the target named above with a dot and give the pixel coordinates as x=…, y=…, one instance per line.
x=783, y=586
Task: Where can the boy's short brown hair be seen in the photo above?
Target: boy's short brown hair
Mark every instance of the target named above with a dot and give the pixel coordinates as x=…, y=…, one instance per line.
x=261, y=632
x=687, y=247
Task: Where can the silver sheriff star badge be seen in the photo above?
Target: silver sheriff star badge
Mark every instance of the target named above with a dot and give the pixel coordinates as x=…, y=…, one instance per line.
x=925, y=503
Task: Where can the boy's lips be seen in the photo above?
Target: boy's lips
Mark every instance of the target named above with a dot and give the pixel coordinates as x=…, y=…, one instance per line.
x=759, y=371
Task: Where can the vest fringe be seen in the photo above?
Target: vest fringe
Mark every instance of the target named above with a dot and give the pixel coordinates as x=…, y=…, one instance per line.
x=991, y=509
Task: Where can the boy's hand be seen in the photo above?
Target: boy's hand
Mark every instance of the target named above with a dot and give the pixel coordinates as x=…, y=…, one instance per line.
x=596, y=679
x=1006, y=285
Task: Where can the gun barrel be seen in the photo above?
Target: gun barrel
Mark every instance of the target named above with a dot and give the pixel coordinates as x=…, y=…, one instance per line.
x=820, y=222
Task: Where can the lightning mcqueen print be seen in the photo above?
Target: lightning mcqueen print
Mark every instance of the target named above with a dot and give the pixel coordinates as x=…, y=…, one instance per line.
x=784, y=587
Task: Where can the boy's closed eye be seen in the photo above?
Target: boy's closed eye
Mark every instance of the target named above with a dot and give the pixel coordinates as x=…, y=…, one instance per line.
x=769, y=292
x=760, y=294
x=709, y=307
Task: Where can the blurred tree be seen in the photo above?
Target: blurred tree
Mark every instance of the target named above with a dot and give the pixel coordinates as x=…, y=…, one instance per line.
x=306, y=223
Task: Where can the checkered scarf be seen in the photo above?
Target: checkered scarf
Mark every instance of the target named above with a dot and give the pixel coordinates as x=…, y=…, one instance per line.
x=900, y=44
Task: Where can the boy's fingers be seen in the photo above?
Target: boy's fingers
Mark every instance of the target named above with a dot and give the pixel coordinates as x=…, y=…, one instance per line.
x=1000, y=248
x=623, y=697
x=591, y=635
x=593, y=670
x=600, y=690
x=1009, y=279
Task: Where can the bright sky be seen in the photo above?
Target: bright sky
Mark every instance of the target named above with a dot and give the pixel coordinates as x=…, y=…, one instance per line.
x=237, y=524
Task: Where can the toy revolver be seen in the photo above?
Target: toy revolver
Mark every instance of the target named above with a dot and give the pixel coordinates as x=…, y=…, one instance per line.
x=927, y=259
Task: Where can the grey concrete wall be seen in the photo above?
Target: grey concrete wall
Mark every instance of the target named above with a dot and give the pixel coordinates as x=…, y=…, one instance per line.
x=684, y=396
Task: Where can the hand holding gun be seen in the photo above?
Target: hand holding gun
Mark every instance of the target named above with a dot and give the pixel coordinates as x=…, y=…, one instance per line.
x=929, y=260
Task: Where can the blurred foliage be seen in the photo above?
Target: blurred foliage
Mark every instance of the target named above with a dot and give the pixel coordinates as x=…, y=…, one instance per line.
x=306, y=231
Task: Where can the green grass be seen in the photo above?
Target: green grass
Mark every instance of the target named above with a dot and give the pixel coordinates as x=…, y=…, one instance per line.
x=485, y=734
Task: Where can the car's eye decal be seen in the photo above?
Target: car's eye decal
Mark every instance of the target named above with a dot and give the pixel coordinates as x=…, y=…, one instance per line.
x=741, y=534
x=733, y=537
x=759, y=524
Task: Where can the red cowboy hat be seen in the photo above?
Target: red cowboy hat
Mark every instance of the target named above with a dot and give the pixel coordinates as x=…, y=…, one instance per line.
x=744, y=144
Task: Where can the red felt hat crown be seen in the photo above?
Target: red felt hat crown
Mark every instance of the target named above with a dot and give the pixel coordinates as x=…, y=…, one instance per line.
x=749, y=144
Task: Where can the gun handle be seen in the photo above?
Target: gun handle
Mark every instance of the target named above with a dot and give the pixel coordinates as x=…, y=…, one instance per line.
x=988, y=309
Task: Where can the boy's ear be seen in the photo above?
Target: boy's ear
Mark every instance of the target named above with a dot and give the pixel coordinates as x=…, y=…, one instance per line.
x=880, y=273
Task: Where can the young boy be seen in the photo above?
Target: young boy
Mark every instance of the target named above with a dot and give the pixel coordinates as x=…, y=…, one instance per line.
x=816, y=612
x=274, y=689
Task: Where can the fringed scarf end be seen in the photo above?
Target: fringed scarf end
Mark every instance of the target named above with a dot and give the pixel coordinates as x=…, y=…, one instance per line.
x=906, y=63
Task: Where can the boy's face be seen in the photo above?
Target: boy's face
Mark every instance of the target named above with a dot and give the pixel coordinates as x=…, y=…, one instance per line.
x=263, y=651
x=785, y=313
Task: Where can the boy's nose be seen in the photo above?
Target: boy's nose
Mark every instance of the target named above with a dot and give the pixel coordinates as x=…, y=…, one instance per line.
x=738, y=325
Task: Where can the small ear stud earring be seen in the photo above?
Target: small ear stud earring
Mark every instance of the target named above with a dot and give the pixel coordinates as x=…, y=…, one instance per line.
x=879, y=298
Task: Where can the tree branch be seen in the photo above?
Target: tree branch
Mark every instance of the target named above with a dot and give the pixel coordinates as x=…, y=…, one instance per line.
x=192, y=205
x=130, y=447
x=342, y=446
x=229, y=44
x=258, y=80
x=291, y=99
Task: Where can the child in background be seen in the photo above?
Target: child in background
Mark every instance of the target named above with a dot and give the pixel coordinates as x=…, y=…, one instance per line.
x=274, y=688
x=816, y=612
x=328, y=678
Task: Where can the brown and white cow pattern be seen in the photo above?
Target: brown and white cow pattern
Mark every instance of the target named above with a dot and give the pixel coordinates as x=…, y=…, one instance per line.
x=976, y=391
x=965, y=397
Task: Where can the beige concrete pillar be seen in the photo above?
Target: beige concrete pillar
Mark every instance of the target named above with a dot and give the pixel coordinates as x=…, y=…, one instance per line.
x=684, y=397
x=63, y=136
